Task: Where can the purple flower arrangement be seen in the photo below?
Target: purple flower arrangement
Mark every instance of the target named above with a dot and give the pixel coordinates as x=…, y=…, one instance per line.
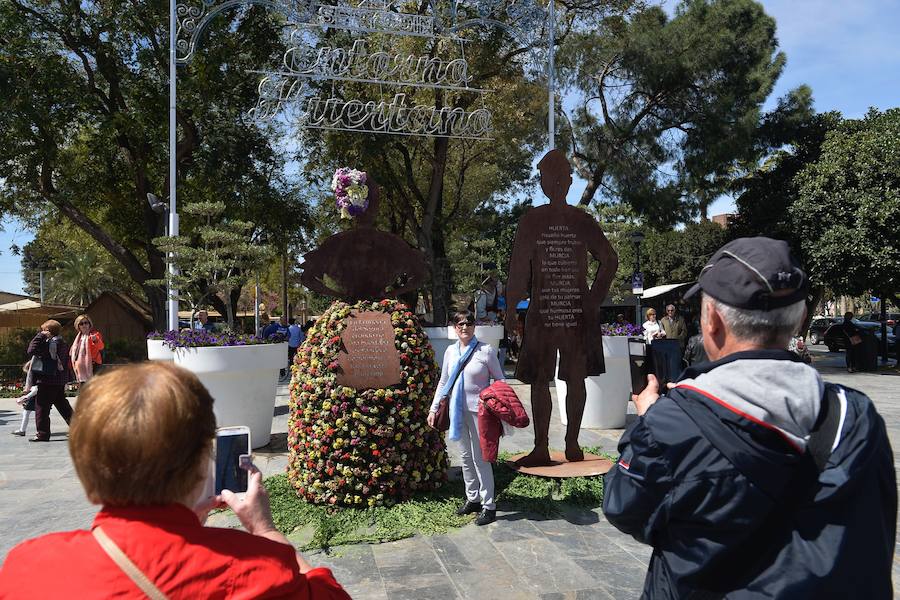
x=200, y=338
x=621, y=329
x=350, y=191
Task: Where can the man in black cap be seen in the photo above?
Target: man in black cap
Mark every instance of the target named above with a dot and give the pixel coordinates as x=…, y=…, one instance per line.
x=751, y=477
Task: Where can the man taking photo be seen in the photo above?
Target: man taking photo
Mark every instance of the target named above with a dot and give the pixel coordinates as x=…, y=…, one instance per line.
x=752, y=477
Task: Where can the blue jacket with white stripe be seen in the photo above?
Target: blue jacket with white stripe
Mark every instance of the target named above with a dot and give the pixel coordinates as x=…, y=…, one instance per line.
x=717, y=478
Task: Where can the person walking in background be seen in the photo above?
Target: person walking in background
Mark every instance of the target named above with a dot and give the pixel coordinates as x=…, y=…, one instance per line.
x=468, y=368
x=295, y=338
x=673, y=325
x=51, y=381
x=652, y=329
x=752, y=477
x=26, y=400
x=85, y=351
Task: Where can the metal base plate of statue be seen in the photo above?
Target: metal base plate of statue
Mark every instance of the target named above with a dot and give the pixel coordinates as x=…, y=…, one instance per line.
x=553, y=248
x=591, y=465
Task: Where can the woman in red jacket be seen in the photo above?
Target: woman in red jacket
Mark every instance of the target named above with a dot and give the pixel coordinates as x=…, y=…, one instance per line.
x=85, y=350
x=141, y=442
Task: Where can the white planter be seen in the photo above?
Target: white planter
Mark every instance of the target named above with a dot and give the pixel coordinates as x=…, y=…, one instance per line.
x=442, y=337
x=242, y=381
x=156, y=350
x=607, y=395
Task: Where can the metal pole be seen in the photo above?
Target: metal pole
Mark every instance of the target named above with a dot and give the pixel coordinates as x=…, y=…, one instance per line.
x=551, y=72
x=637, y=248
x=42, y=287
x=171, y=297
x=256, y=306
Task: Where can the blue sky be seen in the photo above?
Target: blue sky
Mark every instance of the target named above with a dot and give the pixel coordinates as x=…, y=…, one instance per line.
x=848, y=52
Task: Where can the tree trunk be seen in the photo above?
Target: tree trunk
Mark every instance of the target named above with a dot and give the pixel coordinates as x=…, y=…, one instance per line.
x=432, y=235
x=593, y=184
x=156, y=297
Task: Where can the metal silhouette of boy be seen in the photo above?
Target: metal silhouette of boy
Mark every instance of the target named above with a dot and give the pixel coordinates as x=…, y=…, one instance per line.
x=551, y=255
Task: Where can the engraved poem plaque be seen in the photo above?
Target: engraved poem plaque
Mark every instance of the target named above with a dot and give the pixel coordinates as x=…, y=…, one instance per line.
x=560, y=298
x=368, y=358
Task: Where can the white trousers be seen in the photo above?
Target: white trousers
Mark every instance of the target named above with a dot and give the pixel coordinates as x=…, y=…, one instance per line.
x=25, y=415
x=478, y=474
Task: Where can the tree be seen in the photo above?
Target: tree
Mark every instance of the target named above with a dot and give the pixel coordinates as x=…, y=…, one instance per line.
x=78, y=279
x=765, y=195
x=73, y=264
x=847, y=210
x=670, y=107
x=219, y=258
x=83, y=103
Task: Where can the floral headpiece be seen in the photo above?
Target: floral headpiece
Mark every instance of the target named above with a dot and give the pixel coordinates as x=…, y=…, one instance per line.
x=350, y=191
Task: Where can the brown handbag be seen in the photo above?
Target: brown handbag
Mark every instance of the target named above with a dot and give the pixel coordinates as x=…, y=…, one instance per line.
x=442, y=415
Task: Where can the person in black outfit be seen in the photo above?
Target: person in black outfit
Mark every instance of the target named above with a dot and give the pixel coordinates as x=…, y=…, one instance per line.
x=851, y=332
x=695, y=353
x=51, y=382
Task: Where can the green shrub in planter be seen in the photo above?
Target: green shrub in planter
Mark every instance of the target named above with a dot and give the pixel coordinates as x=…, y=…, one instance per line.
x=369, y=447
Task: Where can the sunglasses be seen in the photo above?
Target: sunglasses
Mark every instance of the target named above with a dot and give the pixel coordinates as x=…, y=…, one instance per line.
x=465, y=324
x=84, y=323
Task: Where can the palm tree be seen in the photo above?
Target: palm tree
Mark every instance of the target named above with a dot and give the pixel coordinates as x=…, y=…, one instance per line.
x=79, y=278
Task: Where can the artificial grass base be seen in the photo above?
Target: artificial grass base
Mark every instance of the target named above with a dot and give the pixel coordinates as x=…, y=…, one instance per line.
x=310, y=526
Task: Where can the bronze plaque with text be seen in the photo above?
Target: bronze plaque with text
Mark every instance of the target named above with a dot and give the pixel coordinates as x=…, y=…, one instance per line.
x=369, y=358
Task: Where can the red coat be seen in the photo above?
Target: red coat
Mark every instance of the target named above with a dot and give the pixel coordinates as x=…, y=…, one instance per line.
x=499, y=403
x=170, y=546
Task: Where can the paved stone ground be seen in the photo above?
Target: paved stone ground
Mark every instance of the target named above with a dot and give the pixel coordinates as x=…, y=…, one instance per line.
x=576, y=556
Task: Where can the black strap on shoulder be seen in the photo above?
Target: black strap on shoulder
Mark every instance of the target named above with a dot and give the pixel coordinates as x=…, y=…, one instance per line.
x=824, y=432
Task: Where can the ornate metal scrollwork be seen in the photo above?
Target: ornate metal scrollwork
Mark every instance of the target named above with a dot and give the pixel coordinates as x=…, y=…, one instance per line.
x=193, y=17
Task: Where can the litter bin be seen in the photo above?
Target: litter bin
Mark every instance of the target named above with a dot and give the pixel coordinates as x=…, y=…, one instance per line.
x=665, y=361
x=867, y=352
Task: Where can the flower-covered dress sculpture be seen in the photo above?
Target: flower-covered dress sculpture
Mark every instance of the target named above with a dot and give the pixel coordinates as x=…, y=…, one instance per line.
x=353, y=443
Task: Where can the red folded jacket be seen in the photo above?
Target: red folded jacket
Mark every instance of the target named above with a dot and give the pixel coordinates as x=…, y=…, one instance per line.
x=499, y=404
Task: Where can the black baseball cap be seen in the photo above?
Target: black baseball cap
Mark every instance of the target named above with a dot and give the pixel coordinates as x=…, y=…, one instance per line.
x=756, y=273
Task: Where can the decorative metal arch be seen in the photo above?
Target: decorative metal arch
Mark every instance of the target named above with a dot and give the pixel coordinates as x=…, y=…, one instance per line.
x=193, y=19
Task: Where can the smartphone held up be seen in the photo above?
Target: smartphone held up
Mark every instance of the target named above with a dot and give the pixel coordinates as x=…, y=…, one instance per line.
x=232, y=459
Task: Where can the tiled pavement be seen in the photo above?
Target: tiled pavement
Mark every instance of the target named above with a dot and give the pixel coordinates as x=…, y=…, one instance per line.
x=578, y=555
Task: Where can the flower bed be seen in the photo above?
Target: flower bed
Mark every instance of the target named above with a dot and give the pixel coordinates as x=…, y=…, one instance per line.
x=200, y=338
x=368, y=447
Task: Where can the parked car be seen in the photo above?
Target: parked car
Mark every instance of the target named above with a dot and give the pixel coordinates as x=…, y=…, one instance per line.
x=818, y=326
x=836, y=340
x=892, y=318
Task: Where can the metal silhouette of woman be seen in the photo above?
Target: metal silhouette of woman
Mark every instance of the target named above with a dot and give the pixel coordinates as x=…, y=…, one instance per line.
x=364, y=263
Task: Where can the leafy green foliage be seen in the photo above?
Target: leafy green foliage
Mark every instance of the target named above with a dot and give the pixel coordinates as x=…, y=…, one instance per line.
x=670, y=107
x=83, y=100
x=218, y=258
x=847, y=211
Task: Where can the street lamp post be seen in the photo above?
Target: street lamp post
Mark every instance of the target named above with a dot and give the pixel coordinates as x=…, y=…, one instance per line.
x=171, y=299
x=637, y=238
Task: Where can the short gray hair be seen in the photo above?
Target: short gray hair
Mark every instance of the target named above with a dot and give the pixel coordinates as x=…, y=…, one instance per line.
x=769, y=328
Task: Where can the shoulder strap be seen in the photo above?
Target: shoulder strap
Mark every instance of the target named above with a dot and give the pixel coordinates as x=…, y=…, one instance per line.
x=825, y=432
x=469, y=355
x=129, y=568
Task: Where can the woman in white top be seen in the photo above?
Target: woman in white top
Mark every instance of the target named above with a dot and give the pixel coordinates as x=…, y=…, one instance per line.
x=652, y=329
x=481, y=367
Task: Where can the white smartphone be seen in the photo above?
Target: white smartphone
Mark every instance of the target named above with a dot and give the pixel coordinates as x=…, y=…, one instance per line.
x=232, y=458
